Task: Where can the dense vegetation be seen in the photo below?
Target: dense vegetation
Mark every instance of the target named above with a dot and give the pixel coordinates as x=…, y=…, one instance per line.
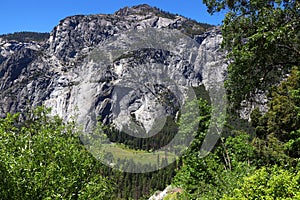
x=42, y=158
x=26, y=36
x=264, y=43
x=160, y=139
x=262, y=162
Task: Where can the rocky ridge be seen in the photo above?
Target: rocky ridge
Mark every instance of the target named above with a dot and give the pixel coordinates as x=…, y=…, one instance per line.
x=69, y=73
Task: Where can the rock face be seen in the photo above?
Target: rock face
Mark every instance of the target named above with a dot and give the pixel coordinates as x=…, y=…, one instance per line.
x=160, y=195
x=131, y=67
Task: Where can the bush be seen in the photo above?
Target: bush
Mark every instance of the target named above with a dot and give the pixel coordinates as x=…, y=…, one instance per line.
x=42, y=158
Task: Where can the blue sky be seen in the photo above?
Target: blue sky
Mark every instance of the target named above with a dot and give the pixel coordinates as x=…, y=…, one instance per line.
x=43, y=15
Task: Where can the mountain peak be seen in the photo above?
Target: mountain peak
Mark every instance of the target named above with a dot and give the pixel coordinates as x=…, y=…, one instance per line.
x=58, y=73
x=138, y=9
x=143, y=6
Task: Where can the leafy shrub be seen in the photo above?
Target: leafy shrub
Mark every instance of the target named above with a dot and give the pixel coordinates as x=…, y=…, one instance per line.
x=42, y=158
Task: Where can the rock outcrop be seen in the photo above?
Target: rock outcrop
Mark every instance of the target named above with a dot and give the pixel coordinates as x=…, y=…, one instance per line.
x=134, y=65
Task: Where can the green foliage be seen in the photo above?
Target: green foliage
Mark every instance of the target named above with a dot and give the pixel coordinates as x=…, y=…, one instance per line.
x=240, y=149
x=142, y=185
x=97, y=188
x=160, y=139
x=42, y=158
x=218, y=173
x=263, y=39
x=279, y=127
x=192, y=28
x=268, y=183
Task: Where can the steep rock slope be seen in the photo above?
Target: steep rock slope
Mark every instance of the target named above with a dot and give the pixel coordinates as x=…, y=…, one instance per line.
x=113, y=67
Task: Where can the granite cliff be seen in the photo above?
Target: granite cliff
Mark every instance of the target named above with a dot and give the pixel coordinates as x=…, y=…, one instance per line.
x=113, y=67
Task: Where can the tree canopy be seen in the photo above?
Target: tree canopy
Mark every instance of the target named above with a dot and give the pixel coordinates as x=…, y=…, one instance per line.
x=263, y=39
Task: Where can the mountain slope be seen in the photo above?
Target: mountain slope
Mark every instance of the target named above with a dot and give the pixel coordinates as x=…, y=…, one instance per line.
x=68, y=73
